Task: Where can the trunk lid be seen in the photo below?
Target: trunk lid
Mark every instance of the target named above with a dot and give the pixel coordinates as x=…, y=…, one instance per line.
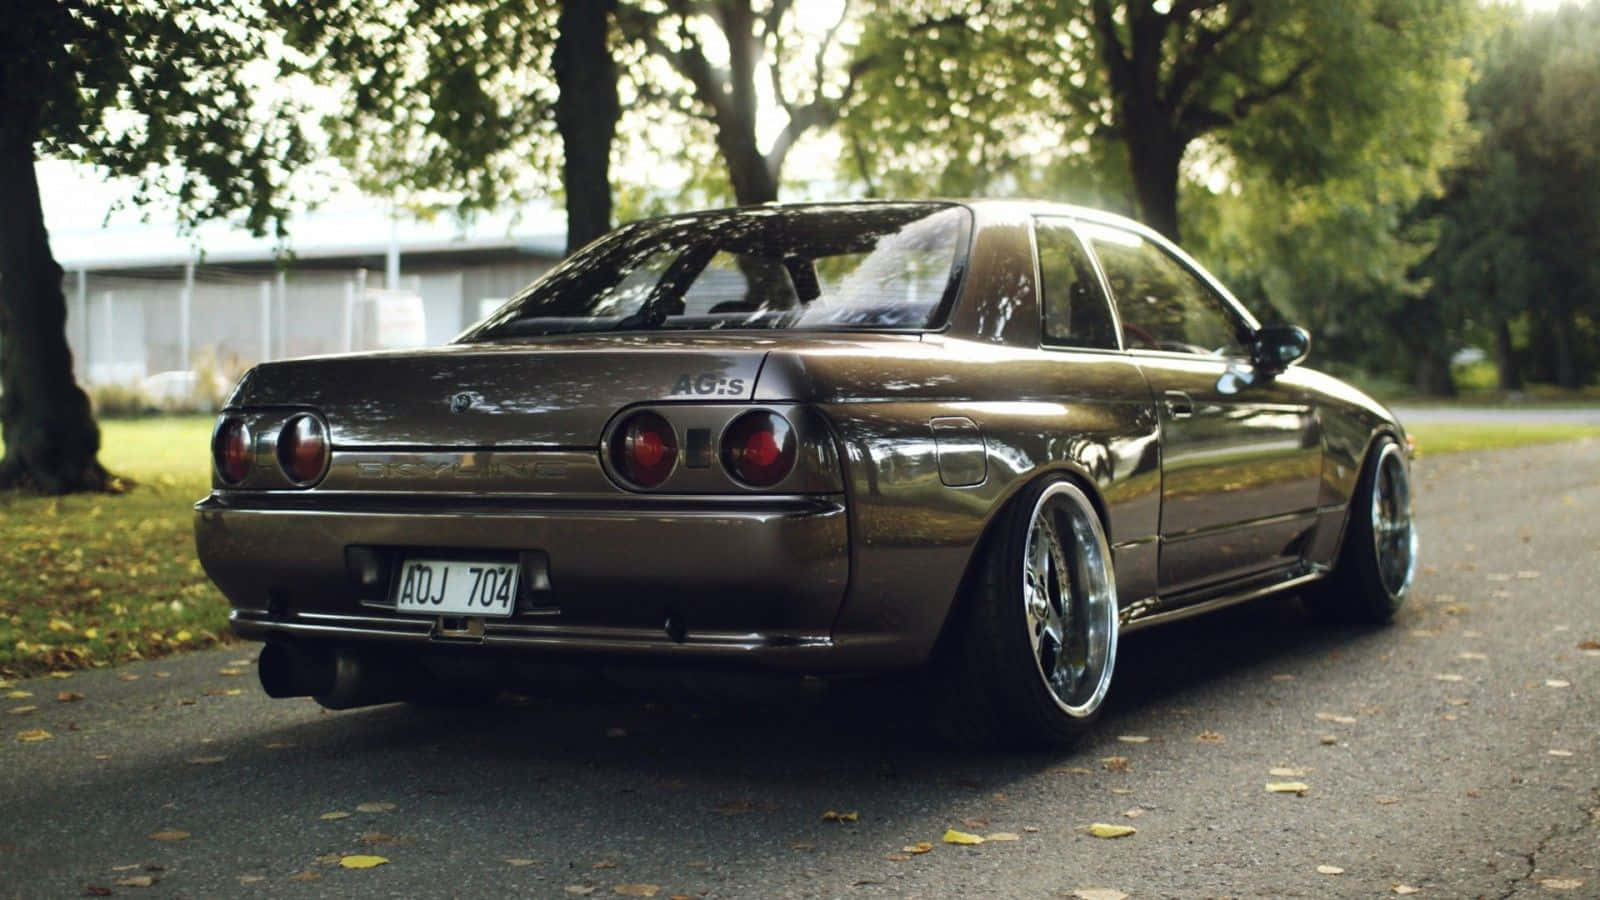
x=550, y=394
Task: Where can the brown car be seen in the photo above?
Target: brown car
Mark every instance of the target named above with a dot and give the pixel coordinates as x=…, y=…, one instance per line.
x=828, y=438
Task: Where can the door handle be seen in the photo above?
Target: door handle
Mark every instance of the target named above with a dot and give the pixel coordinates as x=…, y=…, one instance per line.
x=1179, y=405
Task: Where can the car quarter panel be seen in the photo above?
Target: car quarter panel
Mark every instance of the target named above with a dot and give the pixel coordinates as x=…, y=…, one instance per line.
x=913, y=536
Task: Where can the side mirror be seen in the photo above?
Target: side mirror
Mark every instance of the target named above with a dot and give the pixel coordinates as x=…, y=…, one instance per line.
x=1277, y=347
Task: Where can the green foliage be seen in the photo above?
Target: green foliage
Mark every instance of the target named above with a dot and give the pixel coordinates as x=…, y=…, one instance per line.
x=165, y=93
x=1433, y=440
x=93, y=579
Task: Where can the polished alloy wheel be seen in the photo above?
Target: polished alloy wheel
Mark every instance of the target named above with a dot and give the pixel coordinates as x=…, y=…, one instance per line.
x=1394, y=536
x=1070, y=599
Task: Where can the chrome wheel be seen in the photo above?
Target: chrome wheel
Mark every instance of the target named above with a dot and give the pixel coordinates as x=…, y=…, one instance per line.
x=1070, y=599
x=1394, y=537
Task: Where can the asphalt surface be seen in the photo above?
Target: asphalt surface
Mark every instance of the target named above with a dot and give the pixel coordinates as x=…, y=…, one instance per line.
x=1454, y=752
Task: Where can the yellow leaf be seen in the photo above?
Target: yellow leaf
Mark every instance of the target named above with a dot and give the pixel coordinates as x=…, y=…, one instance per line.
x=69, y=697
x=169, y=835
x=1288, y=787
x=1209, y=737
x=206, y=760
x=139, y=881
x=60, y=625
x=1336, y=717
x=362, y=861
x=374, y=807
x=1405, y=889
x=334, y=816
x=1561, y=884
x=21, y=710
x=1557, y=683
x=952, y=836
x=1330, y=870
x=233, y=692
x=307, y=875
x=1002, y=836
x=1102, y=830
x=91, y=633
x=18, y=695
x=918, y=847
x=1099, y=894
x=182, y=636
x=831, y=816
x=33, y=735
x=1288, y=773
x=230, y=671
x=519, y=862
x=637, y=890
x=1133, y=739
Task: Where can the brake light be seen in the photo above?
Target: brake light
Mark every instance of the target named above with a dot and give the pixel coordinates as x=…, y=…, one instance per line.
x=644, y=449
x=759, y=448
x=231, y=450
x=303, y=449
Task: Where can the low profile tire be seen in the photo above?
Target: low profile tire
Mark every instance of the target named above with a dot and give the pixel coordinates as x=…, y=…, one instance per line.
x=1378, y=559
x=1029, y=659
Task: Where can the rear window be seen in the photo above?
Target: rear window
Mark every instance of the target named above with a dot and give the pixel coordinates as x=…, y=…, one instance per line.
x=869, y=267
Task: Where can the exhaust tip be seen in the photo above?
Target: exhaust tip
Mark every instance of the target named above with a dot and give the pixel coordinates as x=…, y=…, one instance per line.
x=287, y=672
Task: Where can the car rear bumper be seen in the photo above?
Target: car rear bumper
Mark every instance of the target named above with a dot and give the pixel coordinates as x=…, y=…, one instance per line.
x=755, y=582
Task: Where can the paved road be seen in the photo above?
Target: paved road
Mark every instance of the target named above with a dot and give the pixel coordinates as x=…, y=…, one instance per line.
x=1464, y=762
x=1498, y=415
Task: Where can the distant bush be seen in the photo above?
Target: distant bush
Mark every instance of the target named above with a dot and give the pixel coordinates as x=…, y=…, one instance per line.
x=120, y=401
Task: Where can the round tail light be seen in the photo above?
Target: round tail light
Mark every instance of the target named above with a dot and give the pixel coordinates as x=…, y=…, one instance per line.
x=644, y=449
x=231, y=450
x=759, y=448
x=303, y=449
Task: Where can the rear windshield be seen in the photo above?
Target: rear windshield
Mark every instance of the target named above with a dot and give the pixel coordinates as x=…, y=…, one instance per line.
x=869, y=267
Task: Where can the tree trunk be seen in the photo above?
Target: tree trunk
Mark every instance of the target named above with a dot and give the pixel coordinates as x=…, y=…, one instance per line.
x=1433, y=376
x=1505, y=359
x=587, y=110
x=50, y=435
x=1154, y=153
x=752, y=181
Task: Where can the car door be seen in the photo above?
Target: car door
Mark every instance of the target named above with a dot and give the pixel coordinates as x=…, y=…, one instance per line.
x=1241, y=461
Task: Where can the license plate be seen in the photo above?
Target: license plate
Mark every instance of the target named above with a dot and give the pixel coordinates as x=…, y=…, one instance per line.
x=456, y=588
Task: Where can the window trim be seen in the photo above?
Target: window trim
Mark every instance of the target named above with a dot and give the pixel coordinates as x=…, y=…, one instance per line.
x=1071, y=223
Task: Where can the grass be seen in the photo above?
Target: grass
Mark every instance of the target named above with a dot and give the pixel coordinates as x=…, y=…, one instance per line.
x=93, y=579
x=1458, y=438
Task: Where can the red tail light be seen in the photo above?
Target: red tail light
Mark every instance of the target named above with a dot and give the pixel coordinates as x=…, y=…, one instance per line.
x=644, y=449
x=232, y=450
x=759, y=448
x=303, y=449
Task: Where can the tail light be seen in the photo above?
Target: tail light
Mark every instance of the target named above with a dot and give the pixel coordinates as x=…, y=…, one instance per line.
x=232, y=450
x=644, y=449
x=303, y=449
x=759, y=448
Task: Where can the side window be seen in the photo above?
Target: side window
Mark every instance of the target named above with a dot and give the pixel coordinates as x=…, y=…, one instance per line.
x=1163, y=305
x=1075, y=310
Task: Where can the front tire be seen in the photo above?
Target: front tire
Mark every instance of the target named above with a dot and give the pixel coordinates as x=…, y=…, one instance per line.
x=1033, y=651
x=1378, y=558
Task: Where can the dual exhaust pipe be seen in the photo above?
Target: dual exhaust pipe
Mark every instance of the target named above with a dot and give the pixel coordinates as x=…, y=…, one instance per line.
x=336, y=679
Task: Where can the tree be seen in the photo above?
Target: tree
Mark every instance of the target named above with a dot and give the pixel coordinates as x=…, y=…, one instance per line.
x=464, y=104
x=1155, y=77
x=156, y=91
x=679, y=31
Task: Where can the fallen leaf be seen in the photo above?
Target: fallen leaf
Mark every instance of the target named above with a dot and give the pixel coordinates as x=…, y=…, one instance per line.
x=1562, y=753
x=21, y=710
x=1281, y=772
x=206, y=760
x=1327, y=740
x=362, y=861
x=375, y=838
x=918, y=847
x=952, y=836
x=1298, y=788
x=128, y=676
x=68, y=697
x=61, y=675
x=97, y=890
x=1385, y=800
x=1336, y=717
x=1114, y=763
x=1133, y=813
x=637, y=890
x=1122, y=792
x=1557, y=683
x=1472, y=654
x=1133, y=738
x=896, y=857
x=1283, y=676
x=1448, y=676
x=1209, y=737
x=307, y=875
x=251, y=879
x=803, y=846
x=1527, y=574
x=1102, y=830
x=140, y=881
x=1330, y=870
x=1031, y=829
x=1070, y=770
x=831, y=816
x=163, y=674
x=1457, y=701
x=605, y=864
x=230, y=671
x=1405, y=889
x=374, y=807
x=18, y=695
x=168, y=835
x=1099, y=894
x=974, y=823
x=1561, y=884
x=334, y=816
x=580, y=890
x=1001, y=837
x=1589, y=645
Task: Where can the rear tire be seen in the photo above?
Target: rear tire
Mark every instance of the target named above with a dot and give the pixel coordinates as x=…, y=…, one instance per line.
x=1030, y=656
x=1373, y=573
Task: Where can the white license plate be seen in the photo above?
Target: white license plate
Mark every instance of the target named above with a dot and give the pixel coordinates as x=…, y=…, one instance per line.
x=444, y=587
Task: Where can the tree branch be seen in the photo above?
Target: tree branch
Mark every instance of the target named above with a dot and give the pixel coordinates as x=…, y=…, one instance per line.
x=1207, y=43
